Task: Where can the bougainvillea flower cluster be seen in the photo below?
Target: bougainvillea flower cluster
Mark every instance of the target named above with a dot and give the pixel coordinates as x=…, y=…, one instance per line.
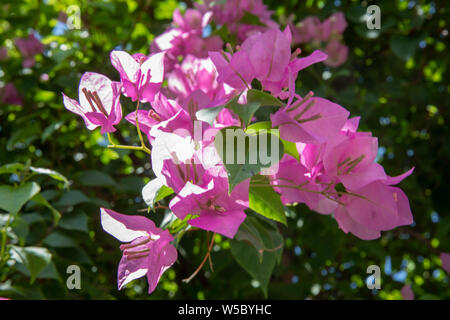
x=190, y=88
x=99, y=103
x=29, y=47
x=10, y=95
x=326, y=35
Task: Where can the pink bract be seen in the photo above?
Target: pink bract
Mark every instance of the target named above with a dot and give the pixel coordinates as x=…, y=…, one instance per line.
x=99, y=102
x=141, y=76
x=147, y=252
x=29, y=47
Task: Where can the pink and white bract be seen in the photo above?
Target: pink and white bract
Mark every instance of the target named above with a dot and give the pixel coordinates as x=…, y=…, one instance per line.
x=99, y=102
x=148, y=251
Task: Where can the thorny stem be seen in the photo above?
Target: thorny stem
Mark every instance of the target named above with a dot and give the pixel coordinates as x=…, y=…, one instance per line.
x=208, y=253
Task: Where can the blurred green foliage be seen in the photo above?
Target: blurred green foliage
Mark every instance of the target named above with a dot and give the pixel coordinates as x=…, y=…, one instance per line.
x=394, y=79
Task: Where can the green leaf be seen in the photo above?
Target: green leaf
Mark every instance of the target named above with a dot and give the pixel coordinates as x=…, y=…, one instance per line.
x=175, y=225
x=341, y=73
x=132, y=184
x=95, y=178
x=45, y=96
x=291, y=149
x=263, y=98
x=60, y=55
x=39, y=198
x=34, y=258
x=13, y=198
x=20, y=228
x=23, y=136
x=246, y=163
x=265, y=201
x=255, y=100
x=356, y=13
x=12, y=168
x=49, y=272
x=163, y=193
x=155, y=191
x=32, y=218
x=72, y=198
x=248, y=232
x=75, y=221
x=52, y=173
x=249, y=18
x=403, y=46
x=58, y=239
x=259, y=248
x=247, y=257
x=50, y=130
x=209, y=114
x=100, y=202
x=262, y=125
x=6, y=289
x=244, y=111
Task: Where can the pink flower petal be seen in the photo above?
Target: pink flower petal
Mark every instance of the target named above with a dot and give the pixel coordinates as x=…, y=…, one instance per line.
x=407, y=292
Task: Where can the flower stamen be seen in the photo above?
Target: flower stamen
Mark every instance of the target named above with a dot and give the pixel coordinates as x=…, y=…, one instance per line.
x=298, y=103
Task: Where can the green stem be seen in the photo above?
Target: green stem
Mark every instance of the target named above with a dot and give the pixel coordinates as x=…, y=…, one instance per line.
x=142, y=147
x=4, y=238
x=125, y=147
x=119, y=146
x=208, y=253
x=141, y=139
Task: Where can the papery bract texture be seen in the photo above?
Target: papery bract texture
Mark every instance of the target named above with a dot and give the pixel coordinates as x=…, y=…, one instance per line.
x=99, y=102
x=148, y=251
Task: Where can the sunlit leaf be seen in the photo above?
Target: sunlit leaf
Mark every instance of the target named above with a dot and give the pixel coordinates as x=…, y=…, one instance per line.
x=13, y=198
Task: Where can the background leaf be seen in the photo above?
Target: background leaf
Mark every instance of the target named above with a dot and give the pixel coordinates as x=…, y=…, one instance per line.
x=34, y=258
x=13, y=198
